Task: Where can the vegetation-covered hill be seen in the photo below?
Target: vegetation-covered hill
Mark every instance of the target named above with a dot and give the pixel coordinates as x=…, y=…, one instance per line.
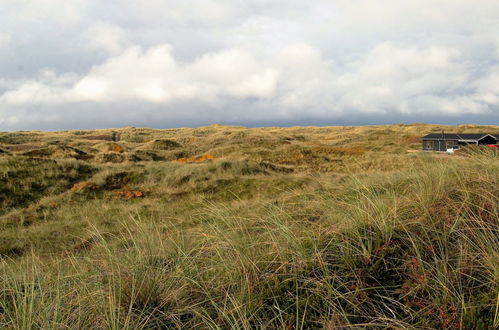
x=233, y=227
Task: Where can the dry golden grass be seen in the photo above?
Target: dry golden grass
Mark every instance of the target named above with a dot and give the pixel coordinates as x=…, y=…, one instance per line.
x=241, y=228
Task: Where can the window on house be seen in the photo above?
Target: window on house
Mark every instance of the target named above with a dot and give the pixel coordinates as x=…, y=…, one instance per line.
x=449, y=144
x=428, y=144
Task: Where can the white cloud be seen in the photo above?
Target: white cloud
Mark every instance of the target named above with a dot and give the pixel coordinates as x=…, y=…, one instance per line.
x=278, y=60
x=33, y=92
x=154, y=75
x=233, y=72
x=186, y=12
x=5, y=38
x=487, y=87
x=105, y=37
x=389, y=78
x=9, y=120
x=393, y=78
x=65, y=12
x=395, y=16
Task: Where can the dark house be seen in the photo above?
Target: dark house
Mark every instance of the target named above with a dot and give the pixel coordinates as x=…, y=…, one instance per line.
x=444, y=141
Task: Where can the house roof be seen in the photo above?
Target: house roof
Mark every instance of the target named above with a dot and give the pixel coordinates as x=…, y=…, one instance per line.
x=455, y=136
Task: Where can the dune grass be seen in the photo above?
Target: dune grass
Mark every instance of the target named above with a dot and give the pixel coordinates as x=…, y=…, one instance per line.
x=345, y=237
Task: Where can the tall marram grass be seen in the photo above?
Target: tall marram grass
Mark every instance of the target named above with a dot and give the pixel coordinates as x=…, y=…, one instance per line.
x=417, y=249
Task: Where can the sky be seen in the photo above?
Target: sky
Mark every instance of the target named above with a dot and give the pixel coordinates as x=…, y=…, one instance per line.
x=83, y=64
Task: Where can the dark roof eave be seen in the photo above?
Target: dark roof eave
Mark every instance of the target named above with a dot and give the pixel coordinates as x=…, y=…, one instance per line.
x=483, y=137
x=448, y=139
x=464, y=137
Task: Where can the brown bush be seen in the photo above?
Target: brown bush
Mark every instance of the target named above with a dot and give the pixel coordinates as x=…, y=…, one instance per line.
x=128, y=194
x=116, y=148
x=196, y=159
x=53, y=205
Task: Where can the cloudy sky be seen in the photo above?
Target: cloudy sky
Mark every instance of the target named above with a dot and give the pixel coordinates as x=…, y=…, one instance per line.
x=169, y=63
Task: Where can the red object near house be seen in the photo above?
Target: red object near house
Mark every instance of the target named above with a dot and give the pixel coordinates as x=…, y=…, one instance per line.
x=493, y=146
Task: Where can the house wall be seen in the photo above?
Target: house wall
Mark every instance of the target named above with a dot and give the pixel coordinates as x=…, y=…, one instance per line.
x=449, y=144
x=435, y=146
x=487, y=140
x=440, y=145
x=423, y=144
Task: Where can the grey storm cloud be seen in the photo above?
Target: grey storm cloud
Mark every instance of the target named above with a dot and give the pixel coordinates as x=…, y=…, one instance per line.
x=89, y=63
